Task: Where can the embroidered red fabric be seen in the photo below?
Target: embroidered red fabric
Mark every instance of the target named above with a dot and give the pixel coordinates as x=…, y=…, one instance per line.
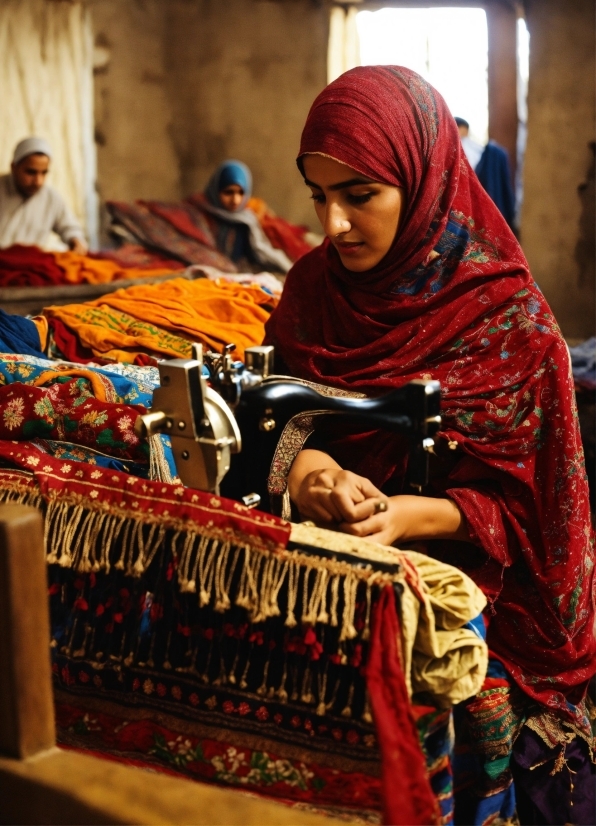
x=407, y=796
x=470, y=316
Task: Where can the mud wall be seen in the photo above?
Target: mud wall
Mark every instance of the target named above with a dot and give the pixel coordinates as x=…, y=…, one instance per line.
x=557, y=226
x=182, y=85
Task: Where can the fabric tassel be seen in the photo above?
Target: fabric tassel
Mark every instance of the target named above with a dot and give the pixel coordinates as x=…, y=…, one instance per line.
x=159, y=470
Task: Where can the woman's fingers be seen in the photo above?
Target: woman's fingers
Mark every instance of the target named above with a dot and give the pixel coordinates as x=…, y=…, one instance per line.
x=373, y=524
x=383, y=525
x=354, y=497
x=370, y=507
x=331, y=496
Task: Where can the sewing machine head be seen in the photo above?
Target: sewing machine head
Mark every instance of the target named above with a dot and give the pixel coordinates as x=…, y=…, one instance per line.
x=213, y=407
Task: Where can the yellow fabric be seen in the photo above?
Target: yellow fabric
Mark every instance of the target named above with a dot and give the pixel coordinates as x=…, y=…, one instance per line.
x=83, y=269
x=441, y=660
x=102, y=389
x=166, y=318
x=41, y=323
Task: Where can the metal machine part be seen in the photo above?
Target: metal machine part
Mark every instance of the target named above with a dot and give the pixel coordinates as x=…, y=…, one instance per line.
x=201, y=425
x=207, y=422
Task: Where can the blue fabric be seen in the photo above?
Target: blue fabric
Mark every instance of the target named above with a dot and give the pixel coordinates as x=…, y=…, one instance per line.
x=228, y=173
x=477, y=626
x=451, y=247
x=19, y=335
x=494, y=173
x=496, y=670
x=583, y=361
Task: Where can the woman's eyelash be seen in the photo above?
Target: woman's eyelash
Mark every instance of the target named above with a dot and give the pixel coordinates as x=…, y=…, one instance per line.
x=319, y=198
x=360, y=199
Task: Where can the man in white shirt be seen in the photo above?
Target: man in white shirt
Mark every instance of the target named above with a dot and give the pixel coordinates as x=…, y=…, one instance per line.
x=29, y=208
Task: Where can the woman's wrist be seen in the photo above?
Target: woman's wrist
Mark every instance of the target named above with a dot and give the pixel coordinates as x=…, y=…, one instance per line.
x=425, y=517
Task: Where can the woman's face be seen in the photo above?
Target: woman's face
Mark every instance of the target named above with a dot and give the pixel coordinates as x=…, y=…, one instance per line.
x=231, y=197
x=358, y=215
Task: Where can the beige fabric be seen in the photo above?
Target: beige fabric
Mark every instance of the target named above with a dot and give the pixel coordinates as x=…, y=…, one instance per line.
x=46, y=81
x=440, y=658
x=30, y=220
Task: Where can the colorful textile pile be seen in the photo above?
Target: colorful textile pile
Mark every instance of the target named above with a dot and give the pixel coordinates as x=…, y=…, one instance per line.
x=23, y=266
x=66, y=408
x=78, y=414
x=487, y=727
x=135, y=256
x=170, y=229
x=163, y=320
x=266, y=280
x=186, y=232
x=84, y=269
x=187, y=634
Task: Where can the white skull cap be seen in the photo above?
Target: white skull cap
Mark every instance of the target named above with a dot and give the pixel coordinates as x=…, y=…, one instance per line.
x=31, y=146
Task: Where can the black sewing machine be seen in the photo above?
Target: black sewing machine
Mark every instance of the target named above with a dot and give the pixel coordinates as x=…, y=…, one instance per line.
x=225, y=428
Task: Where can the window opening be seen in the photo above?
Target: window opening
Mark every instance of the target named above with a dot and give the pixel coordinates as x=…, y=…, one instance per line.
x=447, y=46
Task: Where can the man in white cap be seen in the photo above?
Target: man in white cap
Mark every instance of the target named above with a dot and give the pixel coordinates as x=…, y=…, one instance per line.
x=29, y=208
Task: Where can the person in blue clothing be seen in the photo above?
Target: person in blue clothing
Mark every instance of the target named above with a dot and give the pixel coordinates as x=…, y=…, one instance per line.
x=491, y=164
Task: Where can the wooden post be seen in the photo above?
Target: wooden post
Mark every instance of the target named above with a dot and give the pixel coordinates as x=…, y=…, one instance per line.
x=502, y=77
x=26, y=704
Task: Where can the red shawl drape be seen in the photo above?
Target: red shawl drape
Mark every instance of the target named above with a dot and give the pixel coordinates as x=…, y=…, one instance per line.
x=453, y=300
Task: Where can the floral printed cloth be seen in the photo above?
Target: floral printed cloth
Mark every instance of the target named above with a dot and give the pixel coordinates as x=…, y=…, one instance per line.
x=83, y=414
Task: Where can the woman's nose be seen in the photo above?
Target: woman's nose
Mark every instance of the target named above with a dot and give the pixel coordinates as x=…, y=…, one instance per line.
x=237, y=199
x=336, y=220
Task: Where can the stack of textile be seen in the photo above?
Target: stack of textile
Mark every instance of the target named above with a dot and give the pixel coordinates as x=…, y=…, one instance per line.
x=182, y=230
x=194, y=635
x=23, y=266
x=84, y=414
x=136, y=256
x=160, y=321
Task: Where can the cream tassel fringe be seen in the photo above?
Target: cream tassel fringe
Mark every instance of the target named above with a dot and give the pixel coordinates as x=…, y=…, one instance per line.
x=315, y=589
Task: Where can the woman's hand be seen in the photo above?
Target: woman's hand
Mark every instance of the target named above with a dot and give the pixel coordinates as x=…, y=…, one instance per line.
x=410, y=518
x=332, y=496
x=339, y=499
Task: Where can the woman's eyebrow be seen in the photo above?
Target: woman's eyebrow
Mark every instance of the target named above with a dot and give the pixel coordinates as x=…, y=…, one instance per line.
x=343, y=184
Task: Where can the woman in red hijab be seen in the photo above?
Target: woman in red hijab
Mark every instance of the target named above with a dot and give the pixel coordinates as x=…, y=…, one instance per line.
x=420, y=277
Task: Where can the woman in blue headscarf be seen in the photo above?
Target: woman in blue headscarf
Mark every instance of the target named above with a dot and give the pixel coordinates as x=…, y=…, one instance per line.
x=236, y=229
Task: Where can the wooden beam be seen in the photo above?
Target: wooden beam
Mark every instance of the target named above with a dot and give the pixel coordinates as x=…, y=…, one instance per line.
x=70, y=787
x=502, y=77
x=26, y=703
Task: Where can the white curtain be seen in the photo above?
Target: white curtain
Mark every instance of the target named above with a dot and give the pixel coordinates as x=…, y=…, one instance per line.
x=46, y=89
x=343, y=52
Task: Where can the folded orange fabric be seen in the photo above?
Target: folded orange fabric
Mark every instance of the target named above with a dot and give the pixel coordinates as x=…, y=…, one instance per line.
x=41, y=323
x=164, y=319
x=80, y=269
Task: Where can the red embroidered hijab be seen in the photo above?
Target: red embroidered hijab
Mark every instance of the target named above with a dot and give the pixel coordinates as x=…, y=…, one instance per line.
x=453, y=300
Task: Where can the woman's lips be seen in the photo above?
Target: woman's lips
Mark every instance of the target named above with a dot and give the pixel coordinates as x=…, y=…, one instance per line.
x=349, y=248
